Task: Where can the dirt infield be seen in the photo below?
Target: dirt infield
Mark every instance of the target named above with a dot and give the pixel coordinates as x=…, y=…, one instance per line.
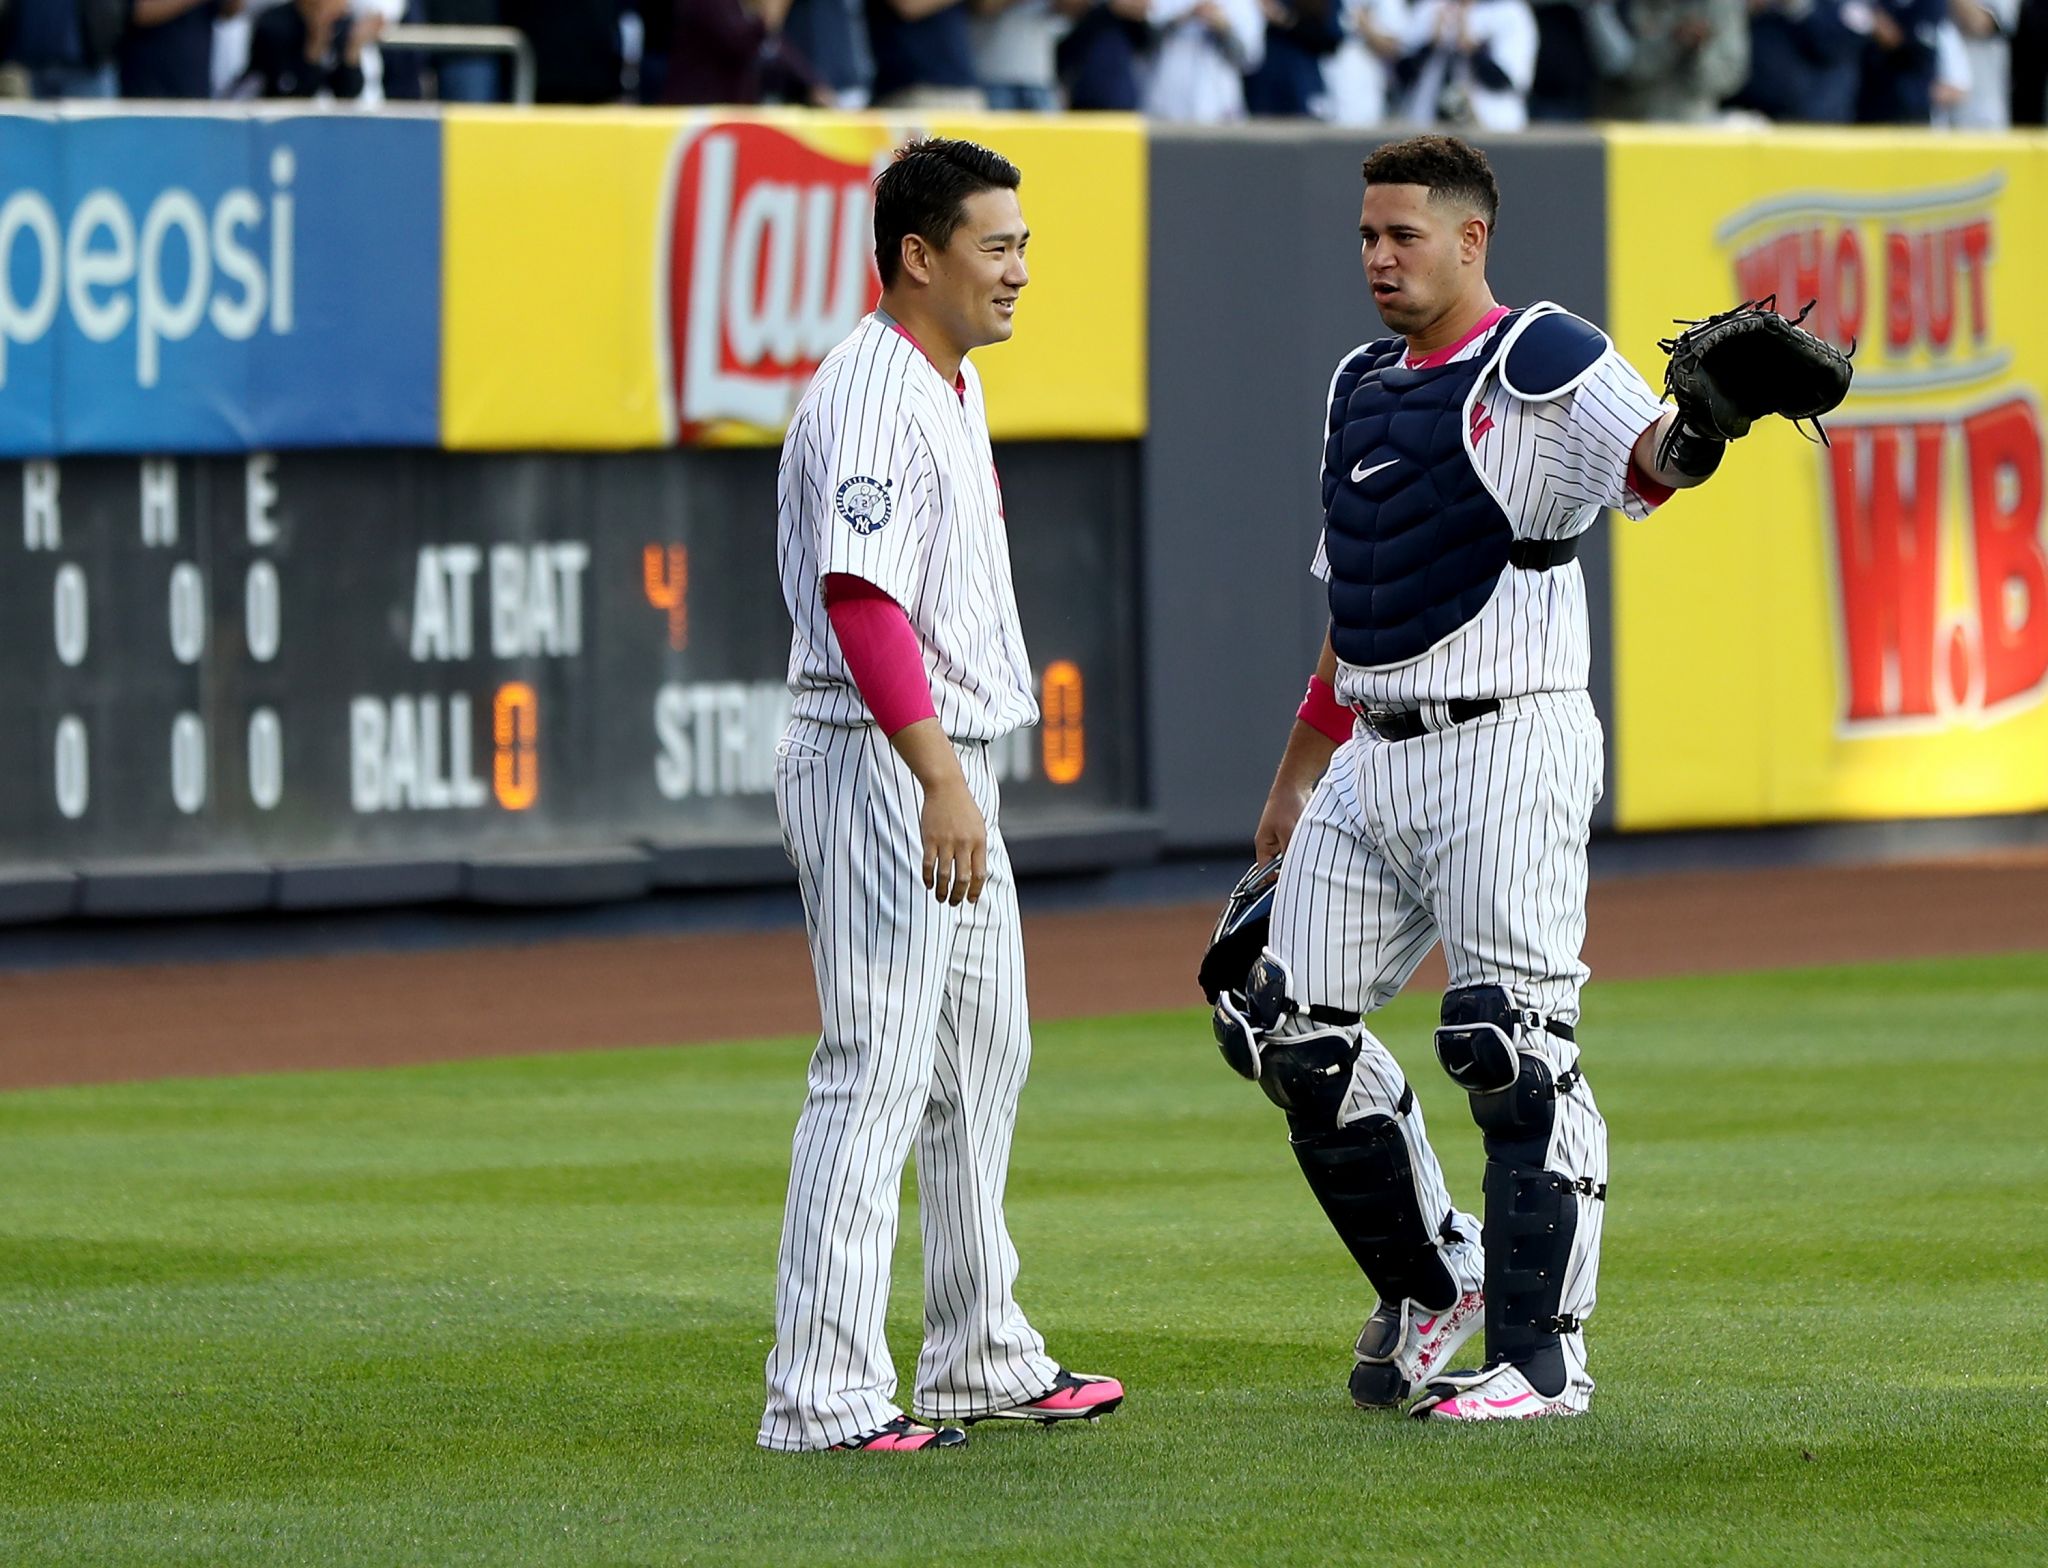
x=380, y=1009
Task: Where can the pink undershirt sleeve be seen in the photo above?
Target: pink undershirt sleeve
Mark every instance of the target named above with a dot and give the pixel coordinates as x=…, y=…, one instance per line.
x=881, y=651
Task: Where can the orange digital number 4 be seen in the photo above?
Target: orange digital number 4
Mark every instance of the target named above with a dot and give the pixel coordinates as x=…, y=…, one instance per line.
x=665, y=575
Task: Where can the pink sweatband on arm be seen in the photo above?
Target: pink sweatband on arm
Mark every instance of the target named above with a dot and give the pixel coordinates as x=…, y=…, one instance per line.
x=881, y=650
x=1646, y=488
x=1321, y=711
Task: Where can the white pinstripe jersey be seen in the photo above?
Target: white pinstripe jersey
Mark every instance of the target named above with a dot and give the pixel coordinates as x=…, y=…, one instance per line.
x=887, y=475
x=1552, y=466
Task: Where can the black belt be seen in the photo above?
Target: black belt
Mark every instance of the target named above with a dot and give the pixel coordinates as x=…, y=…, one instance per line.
x=1540, y=555
x=1406, y=723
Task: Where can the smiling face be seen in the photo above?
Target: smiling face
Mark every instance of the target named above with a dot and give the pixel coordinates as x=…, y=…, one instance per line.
x=972, y=283
x=1425, y=258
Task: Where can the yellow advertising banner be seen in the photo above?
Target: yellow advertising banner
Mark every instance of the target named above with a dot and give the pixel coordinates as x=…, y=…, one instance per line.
x=616, y=279
x=1860, y=629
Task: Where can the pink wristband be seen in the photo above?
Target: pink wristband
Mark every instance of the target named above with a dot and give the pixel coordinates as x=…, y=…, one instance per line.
x=881, y=650
x=1646, y=488
x=1321, y=711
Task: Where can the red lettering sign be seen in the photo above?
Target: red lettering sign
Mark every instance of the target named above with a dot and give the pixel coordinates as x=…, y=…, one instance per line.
x=771, y=262
x=1821, y=265
x=1888, y=553
x=1928, y=274
x=1885, y=535
x=2003, y=446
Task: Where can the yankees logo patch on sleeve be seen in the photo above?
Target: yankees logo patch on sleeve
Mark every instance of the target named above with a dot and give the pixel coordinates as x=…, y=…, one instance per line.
x=863, y=503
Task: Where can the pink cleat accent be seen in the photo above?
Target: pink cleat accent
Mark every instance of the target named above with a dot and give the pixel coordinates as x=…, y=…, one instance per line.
x=1074, y=1396
x=903, y=1436
x=1439, y=1336
x=1498, y=1393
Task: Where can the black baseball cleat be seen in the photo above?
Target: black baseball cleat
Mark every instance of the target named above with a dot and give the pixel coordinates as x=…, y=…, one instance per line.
x=1074, y=1396
x=904, y=1436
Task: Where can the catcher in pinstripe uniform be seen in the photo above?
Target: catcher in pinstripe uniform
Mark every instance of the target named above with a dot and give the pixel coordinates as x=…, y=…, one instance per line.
x=1439, y=782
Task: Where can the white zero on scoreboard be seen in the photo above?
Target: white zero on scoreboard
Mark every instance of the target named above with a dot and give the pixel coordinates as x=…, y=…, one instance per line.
x=262, y=615
x=74, y=774
x=188, y=613
x=188, y=762
x=68, y=614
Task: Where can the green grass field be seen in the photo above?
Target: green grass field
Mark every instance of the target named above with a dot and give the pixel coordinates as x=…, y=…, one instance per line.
x=514, y=1312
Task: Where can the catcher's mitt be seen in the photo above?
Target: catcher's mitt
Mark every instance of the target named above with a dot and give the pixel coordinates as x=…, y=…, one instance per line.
x=1730, y=370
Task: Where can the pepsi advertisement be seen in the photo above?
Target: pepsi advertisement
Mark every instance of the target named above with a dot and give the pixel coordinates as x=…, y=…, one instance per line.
x=194, y=283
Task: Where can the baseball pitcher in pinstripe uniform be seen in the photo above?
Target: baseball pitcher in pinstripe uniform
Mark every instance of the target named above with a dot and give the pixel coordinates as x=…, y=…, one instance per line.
x=1438, y=787
x=906, y=662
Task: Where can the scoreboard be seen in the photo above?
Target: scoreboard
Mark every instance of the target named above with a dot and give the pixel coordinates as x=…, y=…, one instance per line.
x=282, y=662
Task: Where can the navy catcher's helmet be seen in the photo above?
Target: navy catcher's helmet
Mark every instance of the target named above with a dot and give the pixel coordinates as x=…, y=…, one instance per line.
x=1240, y=931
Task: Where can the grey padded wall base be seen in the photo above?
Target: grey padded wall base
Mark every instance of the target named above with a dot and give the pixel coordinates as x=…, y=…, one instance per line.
x=559, y=876
x=37, y=893
x=219, y=886
x=354, y=884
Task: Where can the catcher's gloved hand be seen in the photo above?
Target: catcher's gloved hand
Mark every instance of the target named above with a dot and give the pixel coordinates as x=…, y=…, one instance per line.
x=1730, y=370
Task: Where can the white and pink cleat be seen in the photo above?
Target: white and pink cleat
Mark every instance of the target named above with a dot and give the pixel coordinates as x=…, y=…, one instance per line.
x=1402, y=1347
x=1498, y=1393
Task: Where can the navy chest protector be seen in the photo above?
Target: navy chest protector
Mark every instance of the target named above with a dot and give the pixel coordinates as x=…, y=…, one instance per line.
x=1415, y=541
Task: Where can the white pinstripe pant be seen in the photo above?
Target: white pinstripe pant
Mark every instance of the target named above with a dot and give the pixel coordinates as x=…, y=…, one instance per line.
x=926, y=1038
x=1475, y=835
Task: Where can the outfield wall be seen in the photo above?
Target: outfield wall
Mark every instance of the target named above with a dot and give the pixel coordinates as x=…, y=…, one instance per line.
x=385, y=503
x=390, y=504
x=1871, y=617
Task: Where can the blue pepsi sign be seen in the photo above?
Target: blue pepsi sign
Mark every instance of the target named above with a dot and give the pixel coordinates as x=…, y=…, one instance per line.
x=218, y=281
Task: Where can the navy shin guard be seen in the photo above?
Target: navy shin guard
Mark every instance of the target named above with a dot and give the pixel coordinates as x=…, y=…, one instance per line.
x=1364, y=1177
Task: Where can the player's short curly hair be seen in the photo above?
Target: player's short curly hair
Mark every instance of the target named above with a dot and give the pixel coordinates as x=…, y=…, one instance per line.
x=1447, y=166
x=924, y=190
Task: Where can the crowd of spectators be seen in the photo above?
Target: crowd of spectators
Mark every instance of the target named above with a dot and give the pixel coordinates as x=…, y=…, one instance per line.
x=1484, y=64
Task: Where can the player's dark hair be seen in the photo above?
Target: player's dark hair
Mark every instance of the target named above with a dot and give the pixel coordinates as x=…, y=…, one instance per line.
x=1447, y=166
x=924, y=192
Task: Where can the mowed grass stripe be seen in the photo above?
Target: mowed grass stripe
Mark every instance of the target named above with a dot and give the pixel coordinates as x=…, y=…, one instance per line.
x=514, y=1312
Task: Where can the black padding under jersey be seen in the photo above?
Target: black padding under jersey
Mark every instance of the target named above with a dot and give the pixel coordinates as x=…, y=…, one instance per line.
x=1363, y=1176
